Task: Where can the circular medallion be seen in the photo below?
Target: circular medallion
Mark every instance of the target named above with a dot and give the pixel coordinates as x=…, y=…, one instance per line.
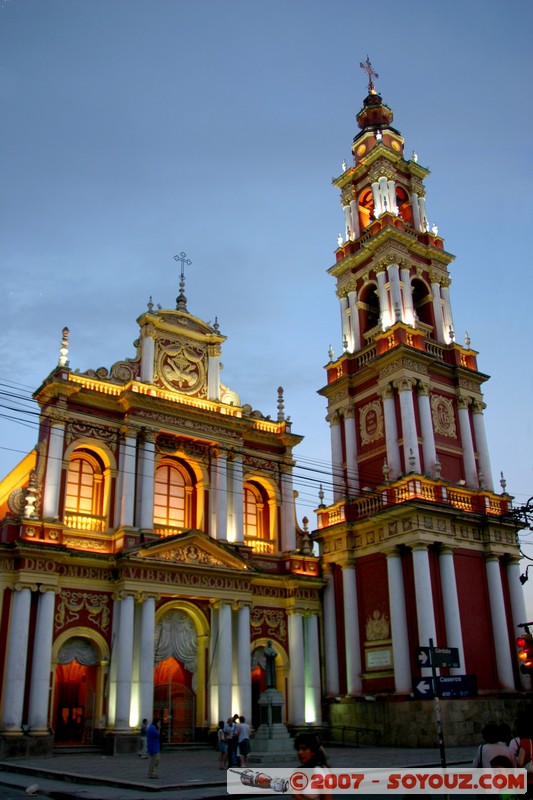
x=361, y=149
x=395, y=145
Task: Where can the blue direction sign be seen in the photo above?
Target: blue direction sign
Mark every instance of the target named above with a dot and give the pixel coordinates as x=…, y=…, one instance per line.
x=438, y=657
x=423, y=689
x=449, y=686
x=456, y=686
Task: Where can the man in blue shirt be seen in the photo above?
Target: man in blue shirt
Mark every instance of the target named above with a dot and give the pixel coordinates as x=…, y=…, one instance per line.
x=153, y=745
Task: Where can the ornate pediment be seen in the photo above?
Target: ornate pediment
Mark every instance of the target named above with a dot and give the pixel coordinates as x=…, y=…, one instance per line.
x=195, y=549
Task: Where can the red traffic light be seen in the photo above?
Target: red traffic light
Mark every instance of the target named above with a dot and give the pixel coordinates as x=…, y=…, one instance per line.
x=525, y=653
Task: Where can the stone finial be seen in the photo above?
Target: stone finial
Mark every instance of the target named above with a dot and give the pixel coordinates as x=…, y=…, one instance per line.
x=63, y=350
x=331, y=354
x=281, y=405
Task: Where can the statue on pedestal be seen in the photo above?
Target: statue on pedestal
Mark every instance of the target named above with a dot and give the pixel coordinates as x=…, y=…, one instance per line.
x=270, y=665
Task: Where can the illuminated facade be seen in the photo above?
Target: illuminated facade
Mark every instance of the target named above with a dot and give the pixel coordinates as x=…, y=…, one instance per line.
x=150, y=550
x=149, y=544
x=413, y=547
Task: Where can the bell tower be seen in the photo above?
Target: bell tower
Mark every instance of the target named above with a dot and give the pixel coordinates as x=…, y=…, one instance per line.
x=414, y=546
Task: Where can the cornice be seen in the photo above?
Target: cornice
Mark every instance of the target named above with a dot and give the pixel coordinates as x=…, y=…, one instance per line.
x=391, y=236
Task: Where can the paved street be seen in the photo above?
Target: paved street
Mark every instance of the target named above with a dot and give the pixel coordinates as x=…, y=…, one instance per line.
x=184, y=774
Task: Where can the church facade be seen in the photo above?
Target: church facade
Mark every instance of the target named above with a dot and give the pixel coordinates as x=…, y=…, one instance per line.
x=149, y=545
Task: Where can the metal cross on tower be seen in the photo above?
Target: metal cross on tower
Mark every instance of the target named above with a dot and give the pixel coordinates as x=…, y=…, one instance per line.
x=181, y=300
x=368, y=68
x=182, y=258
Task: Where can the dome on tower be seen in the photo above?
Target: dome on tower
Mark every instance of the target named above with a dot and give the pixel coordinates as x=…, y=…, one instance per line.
x=374, y=112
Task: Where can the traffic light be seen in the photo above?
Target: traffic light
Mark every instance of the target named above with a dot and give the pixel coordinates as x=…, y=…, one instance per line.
x=525, y=653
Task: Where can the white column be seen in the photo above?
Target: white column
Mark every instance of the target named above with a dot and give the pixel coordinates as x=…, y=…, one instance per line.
x=354, y=322
x=447, y=308
x=224, y=661
x=424, y=224
x=469, y=460
x=437, y=313
x=127, y=469
x=398, y=618
x=125, y=663
x=504, y=664
x=416, y=211
x=391, y=433
x=391, y=189
x=147, y=355
x=147, y=468
x=296, y=677
x=330, y=637
x=407, y=294
x=425, y=613
x=407, y=411
x=213, y=373
x=41, y=661
x=481, y=444
x=350, y=440
x=384, y=192
x=426, y=427
x=221, y=496
x=356, y=227
x=237, y=497
x=16, y=656
x=452, y=616
x=345, y=324
x=54, y=462
x=395, y=292
x=336, y=455
x=518, y=608
x=146, y=658
x=213, y=666
x=376, y=194
x=354, y=683
x=244, y=676
x=347, y=221
x=384, y=311
x=288, y=514
x=312, y=671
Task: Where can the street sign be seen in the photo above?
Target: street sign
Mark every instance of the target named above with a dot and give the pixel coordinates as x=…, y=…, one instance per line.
x=446, y=657
x=456, y=686
x=423, y=689
x=438, y=657
x=448, y=686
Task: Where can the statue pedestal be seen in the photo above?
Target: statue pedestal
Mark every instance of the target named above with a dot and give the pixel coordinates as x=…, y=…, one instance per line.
x=272, y=742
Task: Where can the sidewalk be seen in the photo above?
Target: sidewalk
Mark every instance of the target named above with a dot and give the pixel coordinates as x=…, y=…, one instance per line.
x=184, y=775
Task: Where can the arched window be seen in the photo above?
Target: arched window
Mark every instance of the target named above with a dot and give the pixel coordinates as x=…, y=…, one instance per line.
x=259, y=517
x=423, y=303
x=84, y=490
x=171, y=495
x=366, y=208
x=368, y=308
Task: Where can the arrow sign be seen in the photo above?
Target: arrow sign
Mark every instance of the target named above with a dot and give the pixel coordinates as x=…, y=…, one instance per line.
x=422, y=654
x=422, y=689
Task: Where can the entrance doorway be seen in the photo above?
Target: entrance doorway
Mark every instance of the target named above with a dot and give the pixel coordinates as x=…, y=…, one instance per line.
x=75, y=699
x=174, y=701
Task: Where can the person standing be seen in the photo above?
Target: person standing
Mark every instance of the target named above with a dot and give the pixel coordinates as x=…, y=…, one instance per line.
x=244, y=741
x=143, y=752
x=153, y=744
x=222, y=746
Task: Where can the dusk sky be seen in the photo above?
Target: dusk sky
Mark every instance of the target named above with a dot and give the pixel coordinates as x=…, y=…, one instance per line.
x=133, y=130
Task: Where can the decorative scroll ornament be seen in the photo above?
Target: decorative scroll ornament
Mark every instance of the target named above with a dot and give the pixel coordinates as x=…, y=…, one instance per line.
x=443, y=416
x=274, y=619
x=371, y=422
x=191, y=555
x=181, y=368
x=72, y=605
x=377, y=626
